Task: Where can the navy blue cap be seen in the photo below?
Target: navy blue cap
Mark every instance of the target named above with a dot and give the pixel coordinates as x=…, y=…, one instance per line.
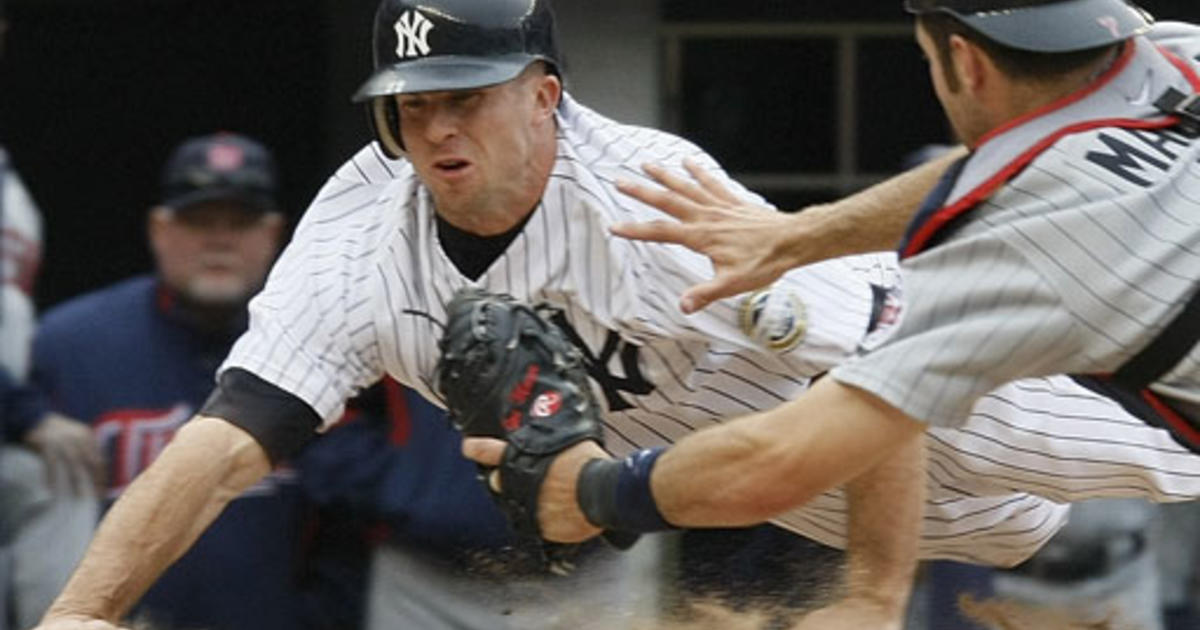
x=1049, y=26
x=223, y=166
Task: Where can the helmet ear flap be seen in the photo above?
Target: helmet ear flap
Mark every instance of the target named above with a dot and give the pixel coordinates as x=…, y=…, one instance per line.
x=384, y=117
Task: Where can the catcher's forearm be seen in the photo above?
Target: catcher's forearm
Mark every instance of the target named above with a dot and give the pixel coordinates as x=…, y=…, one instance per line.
x=160, y=515
x=751, y=469
x=870, y=220
x=886, y=504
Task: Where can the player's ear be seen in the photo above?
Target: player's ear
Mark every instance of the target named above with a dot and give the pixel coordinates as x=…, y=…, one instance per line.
x=549, y=93
x=971, y=63
x=157, y=221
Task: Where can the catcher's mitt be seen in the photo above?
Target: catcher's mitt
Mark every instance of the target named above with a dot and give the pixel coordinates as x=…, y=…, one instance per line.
x=507, y=372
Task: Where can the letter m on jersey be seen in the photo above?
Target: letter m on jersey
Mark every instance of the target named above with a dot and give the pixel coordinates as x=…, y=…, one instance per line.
x=597, y=365
x=412, y=35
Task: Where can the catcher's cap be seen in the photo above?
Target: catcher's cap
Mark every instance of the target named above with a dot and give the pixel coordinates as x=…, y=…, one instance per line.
x=427, y=45
x=222, y=166
x=1049, y=26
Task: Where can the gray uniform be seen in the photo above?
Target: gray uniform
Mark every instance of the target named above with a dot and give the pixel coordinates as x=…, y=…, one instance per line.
x=1072, y=266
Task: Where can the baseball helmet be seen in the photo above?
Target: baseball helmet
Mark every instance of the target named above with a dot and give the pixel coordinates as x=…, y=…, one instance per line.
x=1048, y=26
x=433, y=45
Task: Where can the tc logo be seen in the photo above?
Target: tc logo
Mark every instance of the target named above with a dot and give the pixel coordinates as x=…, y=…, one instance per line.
x=412, y=35
x=1110, y=24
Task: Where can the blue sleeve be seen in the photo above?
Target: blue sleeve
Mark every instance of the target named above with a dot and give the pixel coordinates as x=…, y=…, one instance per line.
x=21, y=407
x=420, y=486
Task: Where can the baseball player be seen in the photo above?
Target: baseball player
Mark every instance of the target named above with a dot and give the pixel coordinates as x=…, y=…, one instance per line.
x=1066, y=243
x=487, y=175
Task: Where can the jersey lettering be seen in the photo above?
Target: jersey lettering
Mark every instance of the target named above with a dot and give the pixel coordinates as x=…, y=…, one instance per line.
x=1124, y=160
x=1159, y=141
x=132, y=439
x=597, y=366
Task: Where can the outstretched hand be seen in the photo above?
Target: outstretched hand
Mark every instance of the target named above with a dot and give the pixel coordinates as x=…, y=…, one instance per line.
x=71, y=454
x=559, y=516
x=746, y=242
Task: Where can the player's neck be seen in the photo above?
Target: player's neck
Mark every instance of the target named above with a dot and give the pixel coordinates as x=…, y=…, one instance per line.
x=1022, y=98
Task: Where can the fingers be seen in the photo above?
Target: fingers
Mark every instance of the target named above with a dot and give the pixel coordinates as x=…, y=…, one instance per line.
x=678, y=185
x=90, y=462
x=485, y=451
x=710, y=184
x=669, y=202
x=655, y=231
x=80, y=461
x=699, y=296
x=493, y=480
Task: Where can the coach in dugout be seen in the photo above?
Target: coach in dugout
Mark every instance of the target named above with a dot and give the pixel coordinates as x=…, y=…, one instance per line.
x=1067, y=241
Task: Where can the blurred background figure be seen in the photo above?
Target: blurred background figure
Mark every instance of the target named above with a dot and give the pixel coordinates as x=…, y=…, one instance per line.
x=135, y=359
x=48, y=464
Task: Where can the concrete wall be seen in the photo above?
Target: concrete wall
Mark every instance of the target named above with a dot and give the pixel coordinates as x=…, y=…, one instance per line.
x=613, y=56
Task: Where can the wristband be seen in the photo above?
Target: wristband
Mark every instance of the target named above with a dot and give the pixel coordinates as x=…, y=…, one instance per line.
x=615, y=494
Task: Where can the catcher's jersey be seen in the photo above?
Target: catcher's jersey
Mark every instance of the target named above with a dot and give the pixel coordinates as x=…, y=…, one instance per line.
x=1074, y=264
x=361, y=289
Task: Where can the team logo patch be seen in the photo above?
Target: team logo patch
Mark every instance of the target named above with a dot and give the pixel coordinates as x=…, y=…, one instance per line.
x=412, y=35
x=546, y=405
x=225, y=157
x=1110, y=24
x=775, y=318
x=886, y=322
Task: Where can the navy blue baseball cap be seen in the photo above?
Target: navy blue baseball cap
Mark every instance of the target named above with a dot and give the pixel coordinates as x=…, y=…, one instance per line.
x=1049, y=26
x=223, y=166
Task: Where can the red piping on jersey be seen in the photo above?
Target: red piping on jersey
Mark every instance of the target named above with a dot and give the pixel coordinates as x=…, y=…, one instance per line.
x=1101, y=81
x=1176, y=422
x=1183, y=68
x=398, y=413
x=939, y=219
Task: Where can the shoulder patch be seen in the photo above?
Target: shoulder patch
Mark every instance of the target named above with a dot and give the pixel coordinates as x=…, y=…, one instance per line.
x=885, y=318
x=775, y=318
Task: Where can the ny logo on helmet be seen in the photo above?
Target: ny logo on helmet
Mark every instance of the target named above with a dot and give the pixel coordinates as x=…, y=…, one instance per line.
x=412, y=35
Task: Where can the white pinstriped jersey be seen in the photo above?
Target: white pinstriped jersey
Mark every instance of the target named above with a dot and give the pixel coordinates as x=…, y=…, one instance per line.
x=348, y=301
x=1072, y=266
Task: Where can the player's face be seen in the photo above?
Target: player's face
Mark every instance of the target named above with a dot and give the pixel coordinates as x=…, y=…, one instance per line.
x=214, y=253
x=480, y=152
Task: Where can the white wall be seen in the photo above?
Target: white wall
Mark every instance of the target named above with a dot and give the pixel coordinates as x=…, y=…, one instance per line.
x=612, y=54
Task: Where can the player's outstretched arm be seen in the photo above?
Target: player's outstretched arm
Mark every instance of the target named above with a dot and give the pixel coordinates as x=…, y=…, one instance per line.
x=751, y=469
x=160, y=515
x=751, y=246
